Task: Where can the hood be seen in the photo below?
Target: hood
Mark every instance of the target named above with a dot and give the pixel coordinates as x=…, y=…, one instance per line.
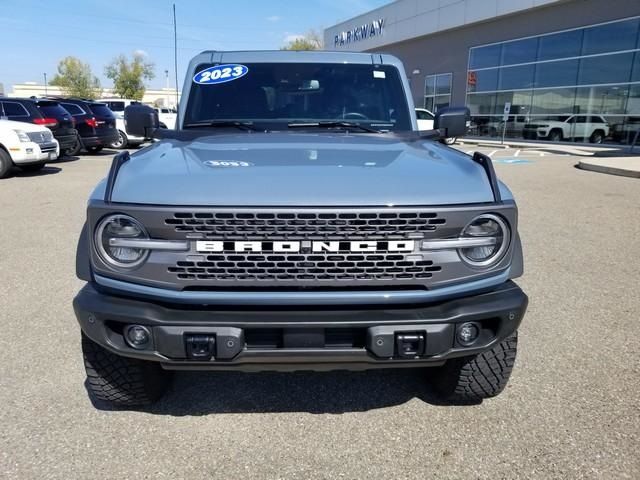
x=24, y=126
x=300, y=169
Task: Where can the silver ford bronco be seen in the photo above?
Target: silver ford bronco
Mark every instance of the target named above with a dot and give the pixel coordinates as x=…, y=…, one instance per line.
x=296, y=219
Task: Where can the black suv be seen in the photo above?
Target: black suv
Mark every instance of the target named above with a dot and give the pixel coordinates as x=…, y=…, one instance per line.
x=95, y=123
x=45, y=112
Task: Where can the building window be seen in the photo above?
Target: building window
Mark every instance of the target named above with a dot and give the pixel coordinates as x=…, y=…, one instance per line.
x=589, y=72
x=437, y=91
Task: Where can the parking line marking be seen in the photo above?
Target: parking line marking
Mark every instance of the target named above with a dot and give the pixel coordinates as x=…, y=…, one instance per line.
x=516, y=153
x=491, y=153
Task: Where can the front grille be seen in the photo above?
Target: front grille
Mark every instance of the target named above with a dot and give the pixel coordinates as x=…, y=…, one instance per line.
x=40, y=137
x=305, y=226
x=49, y=147
x=305, y=267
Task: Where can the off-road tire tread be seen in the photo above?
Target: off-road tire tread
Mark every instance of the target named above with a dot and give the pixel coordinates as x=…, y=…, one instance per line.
x=120, y=380
x=472, y=379
x=5, y=163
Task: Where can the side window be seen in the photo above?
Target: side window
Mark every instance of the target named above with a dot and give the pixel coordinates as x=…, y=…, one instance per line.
x=596, y=119
x=14, y=110
x=116, y=106
x=581, y=119
x=571, y=120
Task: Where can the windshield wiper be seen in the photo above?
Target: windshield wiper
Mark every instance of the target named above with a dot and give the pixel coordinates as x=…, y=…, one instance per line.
x=226, y=123
x=333, y=124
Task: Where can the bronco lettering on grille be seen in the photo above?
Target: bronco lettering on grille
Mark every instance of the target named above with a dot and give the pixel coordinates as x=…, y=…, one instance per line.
x=313, y=246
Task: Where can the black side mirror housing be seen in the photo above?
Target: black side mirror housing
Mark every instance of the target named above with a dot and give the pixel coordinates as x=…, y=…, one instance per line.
x=452, y=121
x=141, y=120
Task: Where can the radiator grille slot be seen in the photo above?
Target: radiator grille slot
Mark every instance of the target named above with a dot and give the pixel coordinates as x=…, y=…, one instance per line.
x=304, y=268
x=304, y=226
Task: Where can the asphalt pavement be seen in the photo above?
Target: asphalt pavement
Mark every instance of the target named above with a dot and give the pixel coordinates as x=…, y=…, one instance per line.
x=571, y=409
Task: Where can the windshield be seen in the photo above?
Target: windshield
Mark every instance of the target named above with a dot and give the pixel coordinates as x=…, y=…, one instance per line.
x=277, y=94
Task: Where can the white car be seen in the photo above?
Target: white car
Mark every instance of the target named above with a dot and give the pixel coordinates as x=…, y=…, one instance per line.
x=124, y=139
x=167, y=117
x=25, y=145
x=568, y=127
x=117, y=105
x=425, y=122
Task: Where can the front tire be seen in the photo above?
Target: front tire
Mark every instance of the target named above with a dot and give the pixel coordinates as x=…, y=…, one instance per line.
x=597, y=137
x=472, y=379
x=122, y=141
x=122, y=381
x=5, y=163
x=555, y=135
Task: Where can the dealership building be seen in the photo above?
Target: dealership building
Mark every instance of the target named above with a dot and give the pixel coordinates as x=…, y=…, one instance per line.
x=571, y=67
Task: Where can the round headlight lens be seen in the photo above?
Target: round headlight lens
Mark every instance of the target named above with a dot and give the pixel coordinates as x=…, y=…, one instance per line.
x=120, y=226
x=486, y=226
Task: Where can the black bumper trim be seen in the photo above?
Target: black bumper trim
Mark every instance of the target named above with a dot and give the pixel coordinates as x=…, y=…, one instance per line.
x=501, y=310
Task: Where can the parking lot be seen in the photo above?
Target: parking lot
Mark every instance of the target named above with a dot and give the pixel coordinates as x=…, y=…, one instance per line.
x=571, y=409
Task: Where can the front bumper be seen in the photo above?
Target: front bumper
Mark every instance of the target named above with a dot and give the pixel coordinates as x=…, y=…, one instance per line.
x=295, y=338
x=32, y=153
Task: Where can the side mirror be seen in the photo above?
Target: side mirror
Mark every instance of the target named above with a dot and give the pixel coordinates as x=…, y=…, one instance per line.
x=140, y=120
x=452, y=121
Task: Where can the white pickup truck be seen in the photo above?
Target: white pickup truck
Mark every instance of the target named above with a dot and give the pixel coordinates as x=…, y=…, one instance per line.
x=25, y=145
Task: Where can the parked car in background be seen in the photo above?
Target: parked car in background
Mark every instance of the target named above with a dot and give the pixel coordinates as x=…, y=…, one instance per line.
x=117, y=105
x=425, y=119
x=568, y=127
x=125, y=140
x=27, y=146
x=45, y=112
x=96, y=124
x=167, y=117
x=626, y=131
x=514, y=127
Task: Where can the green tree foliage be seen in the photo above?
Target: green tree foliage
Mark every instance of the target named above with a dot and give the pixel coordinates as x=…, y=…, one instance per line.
x=309, y=41
x=129, y=75
x=76, y=79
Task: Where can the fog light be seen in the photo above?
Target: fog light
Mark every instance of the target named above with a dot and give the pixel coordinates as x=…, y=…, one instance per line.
x=137, y=336
x=468, y=333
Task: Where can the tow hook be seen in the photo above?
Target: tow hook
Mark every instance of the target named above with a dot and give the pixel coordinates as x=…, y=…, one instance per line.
x=200, y=347
x=410, y=344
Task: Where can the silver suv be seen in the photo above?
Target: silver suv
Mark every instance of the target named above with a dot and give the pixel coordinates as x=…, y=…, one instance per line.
x=297, y=220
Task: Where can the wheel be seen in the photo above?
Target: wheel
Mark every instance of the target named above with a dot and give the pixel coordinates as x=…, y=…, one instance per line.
x=472, y=379
x=120, y=380
x=34, y=167
x=121, y=142
x=5, y=163
x=555, y=135
x=73, y=151
x=597, y=136
x=94, y=150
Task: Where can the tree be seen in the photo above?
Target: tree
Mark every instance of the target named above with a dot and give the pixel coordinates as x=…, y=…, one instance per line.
x=128, y=76
x=75, y=79
x=309, y=41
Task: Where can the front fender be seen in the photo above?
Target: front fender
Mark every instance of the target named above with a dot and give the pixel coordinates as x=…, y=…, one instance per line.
x=83, y=264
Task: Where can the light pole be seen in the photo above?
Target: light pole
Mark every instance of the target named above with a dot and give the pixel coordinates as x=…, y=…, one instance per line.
x=166, y=76
x=45, y=84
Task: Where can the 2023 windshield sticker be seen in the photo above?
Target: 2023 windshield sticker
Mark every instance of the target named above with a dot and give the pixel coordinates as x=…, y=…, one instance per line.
x=220, y=74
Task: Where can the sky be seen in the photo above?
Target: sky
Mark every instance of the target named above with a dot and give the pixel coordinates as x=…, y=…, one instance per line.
x=36, y=34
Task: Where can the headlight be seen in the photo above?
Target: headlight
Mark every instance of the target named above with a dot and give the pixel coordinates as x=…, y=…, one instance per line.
x=120, y=226
x=22, y=136
x=485, y=226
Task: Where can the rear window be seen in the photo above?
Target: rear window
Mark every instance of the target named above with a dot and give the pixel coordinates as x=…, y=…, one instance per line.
x=52, y=109
x=101, y=110
x=73, y=109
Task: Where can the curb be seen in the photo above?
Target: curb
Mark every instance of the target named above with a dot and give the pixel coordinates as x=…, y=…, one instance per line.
x=609, y=170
